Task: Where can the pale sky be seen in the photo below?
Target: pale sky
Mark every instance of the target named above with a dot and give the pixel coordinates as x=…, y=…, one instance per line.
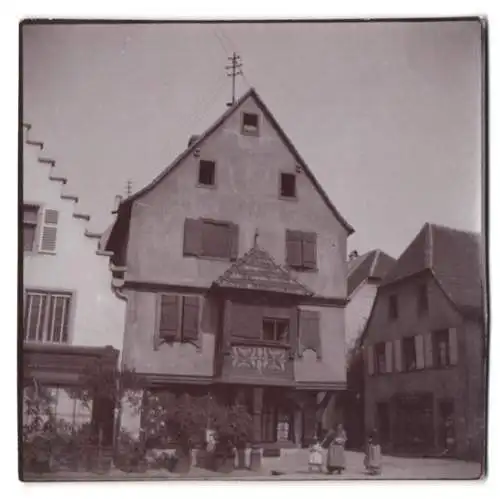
x=387, y=115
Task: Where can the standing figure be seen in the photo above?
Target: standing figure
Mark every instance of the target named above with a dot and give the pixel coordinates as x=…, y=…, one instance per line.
x=335, y=442
x=373, y=454
x=315, y=457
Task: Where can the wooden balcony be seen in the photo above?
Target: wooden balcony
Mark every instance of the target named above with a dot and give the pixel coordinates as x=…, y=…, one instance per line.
x=257, y=362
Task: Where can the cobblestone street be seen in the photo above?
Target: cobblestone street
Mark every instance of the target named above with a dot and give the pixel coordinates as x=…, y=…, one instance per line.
x=293, y=465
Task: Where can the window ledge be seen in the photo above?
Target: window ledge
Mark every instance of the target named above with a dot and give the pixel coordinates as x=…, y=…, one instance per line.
x=288, y=198
x=301, y=269
x=259, y=343
x=206, y=186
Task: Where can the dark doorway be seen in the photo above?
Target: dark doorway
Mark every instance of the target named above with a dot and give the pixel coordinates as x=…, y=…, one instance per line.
x=446, y=433
x=383, y=423
x=413, y=423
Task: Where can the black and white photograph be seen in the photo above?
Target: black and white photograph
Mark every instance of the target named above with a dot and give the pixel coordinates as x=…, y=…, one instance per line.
x=253, y=250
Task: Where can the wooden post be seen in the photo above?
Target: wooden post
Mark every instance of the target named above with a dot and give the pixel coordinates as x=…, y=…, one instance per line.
x=258, y=394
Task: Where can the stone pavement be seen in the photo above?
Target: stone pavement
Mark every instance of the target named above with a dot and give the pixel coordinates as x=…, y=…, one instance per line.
x=292, y=465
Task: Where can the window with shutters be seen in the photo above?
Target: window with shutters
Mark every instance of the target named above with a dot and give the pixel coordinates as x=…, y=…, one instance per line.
x=250, y=124
x=211, y=239
x=30, y=222
x=393, y=307
x=275, y=330
x=288, y=185
x=301, y=250
x=46, y=316
x=409, y=354
x=422, y=300
x=206, y=173
x=309, y=332
x=380, y=364
x=178, y=318
x=441, y=348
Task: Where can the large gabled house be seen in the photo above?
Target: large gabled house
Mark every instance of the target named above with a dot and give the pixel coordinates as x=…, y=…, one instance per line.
x=425, y=348
x=233, y=262
x=73, y=321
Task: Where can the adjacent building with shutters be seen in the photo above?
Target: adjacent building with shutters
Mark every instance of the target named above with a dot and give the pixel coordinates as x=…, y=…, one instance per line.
x=233, y=262
x=425, y=345
x=71, y=316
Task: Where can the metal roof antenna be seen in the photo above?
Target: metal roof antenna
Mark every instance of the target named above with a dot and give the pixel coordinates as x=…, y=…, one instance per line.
x=234, y=70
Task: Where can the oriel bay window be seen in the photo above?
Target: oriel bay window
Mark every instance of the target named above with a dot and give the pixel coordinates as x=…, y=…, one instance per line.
x=275, y=330
x=46, y=316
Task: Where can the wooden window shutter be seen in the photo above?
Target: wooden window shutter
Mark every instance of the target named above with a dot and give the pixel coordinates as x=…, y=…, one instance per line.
x=388, y=357
x=309, y=332
x=309, y=250
x=452, y=335
x=370, y=360
x=294, y=333
x=169, y=327
x=48, y=232
x=293, y=248
x=234, y=241
x=397, y=356
x=246, y=321
x=419, y=351
x=429, y=355
x=190, y=318
x=192, y=237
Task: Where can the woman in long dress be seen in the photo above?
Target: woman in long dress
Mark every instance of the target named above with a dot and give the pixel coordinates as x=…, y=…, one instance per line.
x=373, y=454
x=335, y=443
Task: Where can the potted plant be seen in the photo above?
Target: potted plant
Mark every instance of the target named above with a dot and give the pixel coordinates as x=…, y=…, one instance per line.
x=233, y=426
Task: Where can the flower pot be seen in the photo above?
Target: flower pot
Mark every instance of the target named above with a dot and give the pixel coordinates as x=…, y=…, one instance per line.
x=241, y=459
x=224, y=463
x=255, y=459
x=182, y=463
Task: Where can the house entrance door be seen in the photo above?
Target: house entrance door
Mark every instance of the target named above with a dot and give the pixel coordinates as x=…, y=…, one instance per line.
x=277, y=417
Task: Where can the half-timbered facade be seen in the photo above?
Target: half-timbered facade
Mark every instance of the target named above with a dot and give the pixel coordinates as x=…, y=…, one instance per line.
x=233, y=262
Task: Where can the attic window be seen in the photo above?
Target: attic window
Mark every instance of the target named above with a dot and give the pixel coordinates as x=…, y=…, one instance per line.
x=287, y=185
x=206, y=173
x=250, y=124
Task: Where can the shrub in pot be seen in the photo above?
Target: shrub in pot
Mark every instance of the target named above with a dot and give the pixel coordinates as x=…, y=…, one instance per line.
x=233, y=426
x=177, y=425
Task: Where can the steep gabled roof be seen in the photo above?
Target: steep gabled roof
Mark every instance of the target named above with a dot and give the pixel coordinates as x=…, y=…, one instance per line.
x=372, y=265
x=454, y=257
x=257, y=271
x=197, y=142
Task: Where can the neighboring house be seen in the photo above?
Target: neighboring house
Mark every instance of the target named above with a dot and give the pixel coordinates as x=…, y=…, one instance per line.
x=425, y=347
x=72, y=318
x=233, y=261
x=364, y=275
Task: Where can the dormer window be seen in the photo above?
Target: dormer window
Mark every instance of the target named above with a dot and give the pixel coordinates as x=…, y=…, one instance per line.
x=287, y=185
x=206, y=173
x=250, y=124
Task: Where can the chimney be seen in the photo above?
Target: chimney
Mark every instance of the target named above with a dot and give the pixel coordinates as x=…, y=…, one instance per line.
x=353, y=255
x=192, y=140
x=118, y=200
